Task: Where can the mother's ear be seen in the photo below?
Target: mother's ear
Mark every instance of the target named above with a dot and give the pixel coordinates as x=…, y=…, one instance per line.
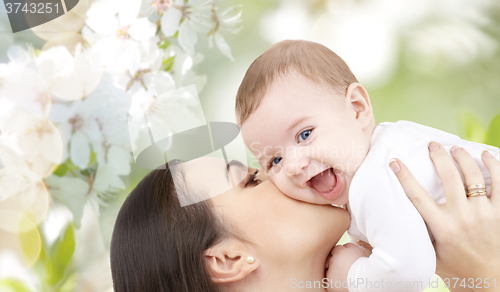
x=229, y=261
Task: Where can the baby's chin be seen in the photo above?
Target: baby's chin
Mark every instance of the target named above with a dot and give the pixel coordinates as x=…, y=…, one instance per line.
x=342, y=200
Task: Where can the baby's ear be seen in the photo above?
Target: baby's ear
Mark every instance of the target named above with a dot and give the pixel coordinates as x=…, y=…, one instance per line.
x=229, y=261
x=358, y=101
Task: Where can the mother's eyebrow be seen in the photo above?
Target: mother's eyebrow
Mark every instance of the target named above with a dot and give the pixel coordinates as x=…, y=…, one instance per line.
x=231, y=163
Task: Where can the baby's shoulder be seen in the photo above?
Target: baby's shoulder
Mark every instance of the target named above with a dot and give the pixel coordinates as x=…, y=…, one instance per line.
x=401, y=139
x=405, y=133
x=410, y=129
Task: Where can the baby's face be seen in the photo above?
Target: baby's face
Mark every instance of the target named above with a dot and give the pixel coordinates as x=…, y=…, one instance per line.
x=307, y=139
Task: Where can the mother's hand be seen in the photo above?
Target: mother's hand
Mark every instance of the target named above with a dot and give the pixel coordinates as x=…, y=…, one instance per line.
x=467, y=230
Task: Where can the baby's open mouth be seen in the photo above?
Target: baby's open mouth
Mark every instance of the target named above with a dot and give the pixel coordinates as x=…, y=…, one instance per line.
x=324, y=183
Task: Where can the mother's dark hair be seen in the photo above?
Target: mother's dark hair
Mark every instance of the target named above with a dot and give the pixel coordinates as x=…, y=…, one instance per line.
x=157, y=245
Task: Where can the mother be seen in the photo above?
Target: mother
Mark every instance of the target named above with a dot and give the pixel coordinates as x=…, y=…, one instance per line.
x=250, y=238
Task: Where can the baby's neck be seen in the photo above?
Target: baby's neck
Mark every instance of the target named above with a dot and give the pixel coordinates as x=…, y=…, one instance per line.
x=368, y=132
x=370, y=129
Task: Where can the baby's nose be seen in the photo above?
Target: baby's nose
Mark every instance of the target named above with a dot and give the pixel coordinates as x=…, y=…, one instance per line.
x=296, y=166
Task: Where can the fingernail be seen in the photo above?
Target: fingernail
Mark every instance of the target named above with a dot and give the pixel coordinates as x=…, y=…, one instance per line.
x=394, y=165
x=455, y=149
x=487, y=154
x=434, y=146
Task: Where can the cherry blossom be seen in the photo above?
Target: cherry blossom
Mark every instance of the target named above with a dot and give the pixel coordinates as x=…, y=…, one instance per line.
x=28, y=140
x=73, y=192
x=23, y=86
x=195, y=16
x=23, y=192
x=69, y=77
x=117, y=24
x=70, y=119
x=228, y=20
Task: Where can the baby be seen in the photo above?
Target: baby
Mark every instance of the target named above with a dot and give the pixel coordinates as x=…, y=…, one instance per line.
x=310, y=125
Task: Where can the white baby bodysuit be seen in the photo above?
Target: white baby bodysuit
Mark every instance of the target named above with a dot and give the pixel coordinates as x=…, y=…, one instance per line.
x=403, y=258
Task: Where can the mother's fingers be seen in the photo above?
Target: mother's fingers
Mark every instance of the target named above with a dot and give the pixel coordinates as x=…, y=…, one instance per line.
x=452, y=182
x=425, y=205
x=493, y=166
x=469, y=167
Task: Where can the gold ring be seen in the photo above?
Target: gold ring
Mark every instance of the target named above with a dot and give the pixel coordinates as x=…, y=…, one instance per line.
x=478, y=186
x=477, y=193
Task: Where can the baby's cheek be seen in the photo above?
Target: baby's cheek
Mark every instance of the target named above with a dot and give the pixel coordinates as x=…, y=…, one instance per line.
x=351, y=165
x=285, y=186
x=280, y=182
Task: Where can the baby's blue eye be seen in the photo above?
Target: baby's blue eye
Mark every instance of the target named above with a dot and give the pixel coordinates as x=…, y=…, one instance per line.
x=275, y=161
x=304, y=135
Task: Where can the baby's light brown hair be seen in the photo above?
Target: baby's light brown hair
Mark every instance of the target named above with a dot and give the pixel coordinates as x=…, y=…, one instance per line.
x=310, y=59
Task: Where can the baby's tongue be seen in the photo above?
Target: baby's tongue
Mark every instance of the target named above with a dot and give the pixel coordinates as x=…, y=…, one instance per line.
x=324, y=182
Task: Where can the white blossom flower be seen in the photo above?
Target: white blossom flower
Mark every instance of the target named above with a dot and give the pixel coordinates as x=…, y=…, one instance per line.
x=38, y=144
x=140, y=65
x=148, y=71
x=68, y=77
x=20, y=84
x=115, y=163
x=73, y=192
x=169, y=111
x=23, y=192
x=228, y=20
x=162, y=115
x=99, y=124
x=143, y=104
x=106, y=16
x=183, y=68
x=79, y=128
x=120, y=28
x=20, y=57
x=151, y=7
x=9, y=145
x=97, y=121
x=110, y=106
x=195, y=16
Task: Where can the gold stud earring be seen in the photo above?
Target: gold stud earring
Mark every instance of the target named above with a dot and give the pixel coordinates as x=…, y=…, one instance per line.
x=250, y=260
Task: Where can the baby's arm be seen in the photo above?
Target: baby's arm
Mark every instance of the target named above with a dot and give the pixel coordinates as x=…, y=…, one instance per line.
x=343, y=256
x=403, y=256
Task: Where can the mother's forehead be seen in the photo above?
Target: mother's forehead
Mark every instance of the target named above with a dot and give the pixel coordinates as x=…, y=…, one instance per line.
x=202, y=163
x=207, y=176
x=201, y=170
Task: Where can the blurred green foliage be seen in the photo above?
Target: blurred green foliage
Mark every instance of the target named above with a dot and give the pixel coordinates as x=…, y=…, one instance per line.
x=53, y=266
x=477, y=132
x=493, y=134
x=474, y=129
x=13, y=285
